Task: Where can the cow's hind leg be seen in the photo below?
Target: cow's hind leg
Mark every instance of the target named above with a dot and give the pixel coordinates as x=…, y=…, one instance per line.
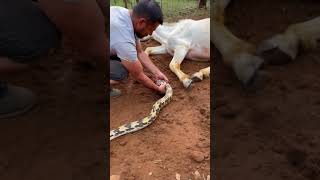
x=179, y=54
x=155, y=50
x=203, y=73
x=283, y=48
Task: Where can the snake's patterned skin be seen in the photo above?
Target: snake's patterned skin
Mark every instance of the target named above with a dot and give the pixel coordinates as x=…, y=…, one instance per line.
x=146, y=121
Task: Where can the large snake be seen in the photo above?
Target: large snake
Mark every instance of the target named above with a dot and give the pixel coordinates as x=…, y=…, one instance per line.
x=146, y=121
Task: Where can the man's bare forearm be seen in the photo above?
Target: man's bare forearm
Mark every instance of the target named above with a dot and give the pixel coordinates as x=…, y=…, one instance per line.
x=146, y=81
x=147, y=63
x=69, y=17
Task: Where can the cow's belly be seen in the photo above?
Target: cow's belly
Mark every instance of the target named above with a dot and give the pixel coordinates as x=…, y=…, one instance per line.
x=195, y=53
x=199, y=54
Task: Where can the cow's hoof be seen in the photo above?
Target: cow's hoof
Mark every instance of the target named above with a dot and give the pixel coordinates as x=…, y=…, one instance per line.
x=246, y=67
x=260, y=81
x=279, y=49
x=187, y=83
x=272, y=54
x=196, y=77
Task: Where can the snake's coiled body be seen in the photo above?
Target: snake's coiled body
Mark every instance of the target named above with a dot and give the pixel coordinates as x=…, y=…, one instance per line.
x=144, y=122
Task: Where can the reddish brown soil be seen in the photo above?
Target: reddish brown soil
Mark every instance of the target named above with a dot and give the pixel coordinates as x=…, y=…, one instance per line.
x=63, y=136
x=272, y=132
x=180, y=134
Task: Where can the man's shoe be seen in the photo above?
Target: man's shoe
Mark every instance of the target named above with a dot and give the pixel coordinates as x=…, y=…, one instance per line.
x=15, y=100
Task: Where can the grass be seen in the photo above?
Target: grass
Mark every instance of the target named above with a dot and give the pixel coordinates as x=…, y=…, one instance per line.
x=174, y=9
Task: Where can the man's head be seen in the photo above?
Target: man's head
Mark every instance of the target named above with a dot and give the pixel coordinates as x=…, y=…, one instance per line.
x=146, y=16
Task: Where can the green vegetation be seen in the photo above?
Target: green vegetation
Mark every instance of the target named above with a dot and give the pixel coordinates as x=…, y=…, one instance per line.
x=173, y=9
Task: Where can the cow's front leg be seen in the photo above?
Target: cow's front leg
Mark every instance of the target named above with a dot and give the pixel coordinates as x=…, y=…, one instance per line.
x=155, y=50
x=236, y=53
x=179, y=54
x=284, y=47
x=203, y=73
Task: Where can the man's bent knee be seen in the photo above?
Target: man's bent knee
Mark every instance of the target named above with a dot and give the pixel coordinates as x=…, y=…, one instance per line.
x=117, y=71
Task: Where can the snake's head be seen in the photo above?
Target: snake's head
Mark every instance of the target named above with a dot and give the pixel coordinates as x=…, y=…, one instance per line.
x=160, y=82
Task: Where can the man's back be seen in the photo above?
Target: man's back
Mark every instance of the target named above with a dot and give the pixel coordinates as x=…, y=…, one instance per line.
x=122, y=38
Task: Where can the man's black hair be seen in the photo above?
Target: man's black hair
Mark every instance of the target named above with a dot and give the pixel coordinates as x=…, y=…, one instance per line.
x=150, y=10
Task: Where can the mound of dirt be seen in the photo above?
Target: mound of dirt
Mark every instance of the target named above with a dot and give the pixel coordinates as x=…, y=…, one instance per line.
x=178, y=142
x=273, y=131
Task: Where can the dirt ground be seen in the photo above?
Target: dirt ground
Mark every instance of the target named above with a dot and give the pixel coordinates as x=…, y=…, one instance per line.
x=269, y=133
x=272, y=132
x=63, y=136
x=177, y=142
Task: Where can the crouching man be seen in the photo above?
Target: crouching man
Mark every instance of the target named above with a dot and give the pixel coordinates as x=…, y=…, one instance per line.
x=126, y=54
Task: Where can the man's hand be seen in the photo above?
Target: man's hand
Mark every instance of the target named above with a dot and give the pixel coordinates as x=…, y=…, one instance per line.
x=160, y=76
x=162, y=88
x=136, y=70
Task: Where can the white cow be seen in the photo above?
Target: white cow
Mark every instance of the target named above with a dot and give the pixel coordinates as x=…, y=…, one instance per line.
x=185, y=39
x=246, y=58
x=191, y=39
